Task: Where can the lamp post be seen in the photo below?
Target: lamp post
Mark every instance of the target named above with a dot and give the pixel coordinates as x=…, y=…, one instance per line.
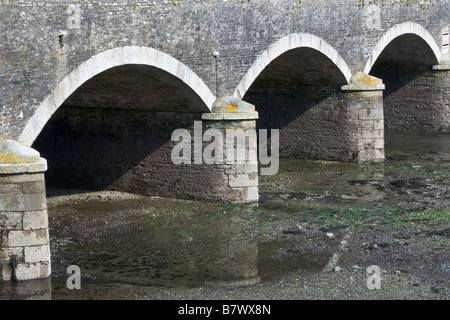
x=216, y=54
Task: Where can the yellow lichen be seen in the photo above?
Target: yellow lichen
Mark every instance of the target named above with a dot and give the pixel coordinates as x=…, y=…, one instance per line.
x=14, y=159
x=232, y=109
x=368, y=80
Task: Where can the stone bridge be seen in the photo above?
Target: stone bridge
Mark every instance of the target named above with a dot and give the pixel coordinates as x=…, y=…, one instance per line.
x=98, y=88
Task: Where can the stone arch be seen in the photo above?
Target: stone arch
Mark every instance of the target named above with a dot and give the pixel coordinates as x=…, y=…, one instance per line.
x=129, y=55
x=402, y=29
x=295, y=87
x=285, y=44
x=412, y=101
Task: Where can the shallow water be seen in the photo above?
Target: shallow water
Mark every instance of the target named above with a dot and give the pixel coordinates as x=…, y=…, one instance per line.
x=125, y=243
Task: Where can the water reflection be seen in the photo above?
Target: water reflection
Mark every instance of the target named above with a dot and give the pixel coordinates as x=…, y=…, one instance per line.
x=26, y=290
x=124, y=244
x=410, y=144
x=235, y=260
x=156, y=242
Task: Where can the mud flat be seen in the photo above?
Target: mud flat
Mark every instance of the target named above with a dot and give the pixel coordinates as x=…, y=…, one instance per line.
x=318, y=227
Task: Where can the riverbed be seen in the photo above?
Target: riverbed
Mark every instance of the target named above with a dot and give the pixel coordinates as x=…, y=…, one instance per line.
x=317, y=229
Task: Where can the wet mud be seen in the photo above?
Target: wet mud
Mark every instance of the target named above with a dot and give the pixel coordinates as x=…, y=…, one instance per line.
x=317, y=228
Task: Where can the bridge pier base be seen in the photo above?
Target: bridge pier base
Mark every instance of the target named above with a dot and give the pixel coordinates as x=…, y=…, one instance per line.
x=24, y=240
x=241, y=178
x=364, y=100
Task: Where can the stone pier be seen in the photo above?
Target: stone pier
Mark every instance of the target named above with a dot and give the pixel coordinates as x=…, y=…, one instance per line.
x=364, y=100
x=24, y=239
x=241, y=177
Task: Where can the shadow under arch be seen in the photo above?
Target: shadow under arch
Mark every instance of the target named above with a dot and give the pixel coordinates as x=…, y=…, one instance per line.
x=122, y=56
x=110, y=129
x=403, y=59
x=413, y=31
x=295, y=86
x=288, y=43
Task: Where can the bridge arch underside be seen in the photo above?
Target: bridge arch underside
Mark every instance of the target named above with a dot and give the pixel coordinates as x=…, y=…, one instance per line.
x=416, y=96
x=114, y=133
x=300, y=94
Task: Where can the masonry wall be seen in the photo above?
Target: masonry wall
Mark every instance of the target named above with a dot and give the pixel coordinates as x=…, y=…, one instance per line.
x=42, y=41
x=343, y=126
x=23, y=227
x=416, y=98
x=306, y=125
x=130, y=151
x=241, y=177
